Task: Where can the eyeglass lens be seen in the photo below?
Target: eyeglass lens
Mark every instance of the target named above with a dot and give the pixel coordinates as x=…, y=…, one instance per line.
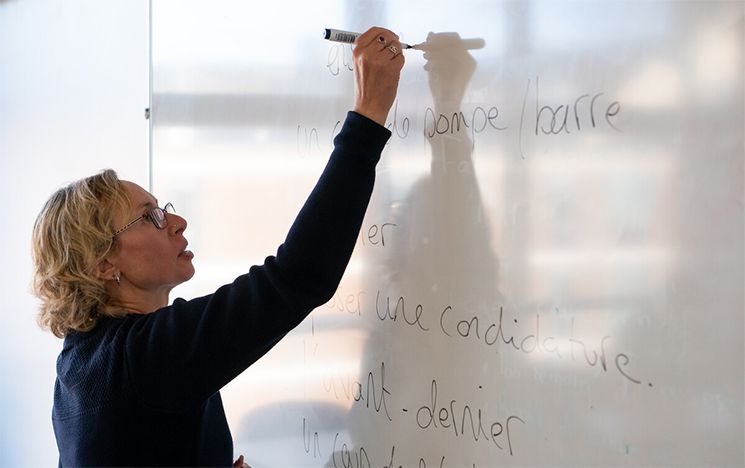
x=158, y=215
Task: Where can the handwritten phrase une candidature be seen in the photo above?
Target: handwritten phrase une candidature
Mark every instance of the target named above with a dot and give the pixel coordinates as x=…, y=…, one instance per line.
x=503, y=332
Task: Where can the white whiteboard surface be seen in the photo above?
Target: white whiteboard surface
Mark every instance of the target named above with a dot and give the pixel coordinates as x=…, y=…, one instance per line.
x=550, y=272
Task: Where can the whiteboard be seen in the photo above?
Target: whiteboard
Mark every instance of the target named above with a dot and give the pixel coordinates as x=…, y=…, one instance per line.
x=550, y=272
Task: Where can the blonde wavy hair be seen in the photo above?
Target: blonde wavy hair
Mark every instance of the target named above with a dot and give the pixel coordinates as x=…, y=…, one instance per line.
x=71, y=236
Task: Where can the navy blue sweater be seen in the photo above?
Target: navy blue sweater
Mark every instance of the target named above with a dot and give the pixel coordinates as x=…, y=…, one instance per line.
x=144, y=389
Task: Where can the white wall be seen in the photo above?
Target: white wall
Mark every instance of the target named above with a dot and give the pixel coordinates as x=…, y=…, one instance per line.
x=73, y=89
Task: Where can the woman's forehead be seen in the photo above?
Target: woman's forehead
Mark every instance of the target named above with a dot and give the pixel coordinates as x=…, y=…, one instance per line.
x=139, y=196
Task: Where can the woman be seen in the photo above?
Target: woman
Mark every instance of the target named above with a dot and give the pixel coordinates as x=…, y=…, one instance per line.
x=138, y=380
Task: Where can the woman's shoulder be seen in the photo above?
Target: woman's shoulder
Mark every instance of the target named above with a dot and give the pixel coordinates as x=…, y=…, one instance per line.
x=91, y=369
x=95, y=348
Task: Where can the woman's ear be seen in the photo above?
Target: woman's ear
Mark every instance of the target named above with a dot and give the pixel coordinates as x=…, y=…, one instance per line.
x=106, y=270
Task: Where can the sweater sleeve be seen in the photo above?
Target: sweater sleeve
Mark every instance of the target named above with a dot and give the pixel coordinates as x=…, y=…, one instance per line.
x=180, y=355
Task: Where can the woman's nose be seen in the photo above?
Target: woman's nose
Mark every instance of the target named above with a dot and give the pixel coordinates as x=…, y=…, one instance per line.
x=176, y=224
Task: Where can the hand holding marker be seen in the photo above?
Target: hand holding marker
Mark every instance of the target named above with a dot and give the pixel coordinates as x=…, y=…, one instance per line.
x=377, y=67
x=348, y=37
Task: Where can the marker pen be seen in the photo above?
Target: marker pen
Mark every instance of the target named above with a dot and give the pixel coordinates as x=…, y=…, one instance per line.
x=348, y=37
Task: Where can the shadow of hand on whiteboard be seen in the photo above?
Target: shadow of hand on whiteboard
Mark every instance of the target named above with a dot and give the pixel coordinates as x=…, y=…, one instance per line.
x=442, y=269
x=449, y=67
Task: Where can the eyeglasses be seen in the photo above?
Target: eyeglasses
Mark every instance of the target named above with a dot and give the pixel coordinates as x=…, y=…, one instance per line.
x=156, y=215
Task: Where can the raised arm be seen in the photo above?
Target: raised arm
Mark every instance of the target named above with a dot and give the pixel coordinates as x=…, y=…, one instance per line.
x=204, y=343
